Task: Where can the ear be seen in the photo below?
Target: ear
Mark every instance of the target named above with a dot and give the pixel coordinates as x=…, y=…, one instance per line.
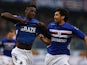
x=63, y=17
x=25, y=10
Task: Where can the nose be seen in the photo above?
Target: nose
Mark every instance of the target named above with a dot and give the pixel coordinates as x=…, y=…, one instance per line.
x=54, y=16
x=33, y=12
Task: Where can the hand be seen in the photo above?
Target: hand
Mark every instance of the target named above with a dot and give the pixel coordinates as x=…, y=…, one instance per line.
x=44, y=39
x=5, y=14
x=40, y=36
x=83, y=54
x=86, y=53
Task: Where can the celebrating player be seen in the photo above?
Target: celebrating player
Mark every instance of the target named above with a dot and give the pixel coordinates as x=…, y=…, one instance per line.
x=27, y=29
x=61, y=34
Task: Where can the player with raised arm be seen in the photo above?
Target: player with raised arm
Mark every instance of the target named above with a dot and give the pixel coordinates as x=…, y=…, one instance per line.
x=61, y=35
x=28, y=29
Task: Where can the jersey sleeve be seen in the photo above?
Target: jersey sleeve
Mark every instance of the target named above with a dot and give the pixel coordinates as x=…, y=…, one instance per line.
x=78, y=33
x=39, y=31
x=15, y=21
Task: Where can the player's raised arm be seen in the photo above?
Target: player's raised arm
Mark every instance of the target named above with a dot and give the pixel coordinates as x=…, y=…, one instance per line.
x=12, y=17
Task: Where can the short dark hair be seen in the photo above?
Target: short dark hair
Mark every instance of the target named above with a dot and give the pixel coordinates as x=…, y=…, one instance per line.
x=63, y=12
x=11, y=30
x=32, y=5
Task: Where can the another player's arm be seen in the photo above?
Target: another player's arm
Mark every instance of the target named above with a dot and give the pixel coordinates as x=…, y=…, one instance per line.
x=44, y=39
x=11, y=17
x=44, y=36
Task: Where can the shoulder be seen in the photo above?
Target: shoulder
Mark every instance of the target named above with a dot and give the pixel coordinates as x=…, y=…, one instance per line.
x=51, y=24
x=69, y=26
x=41, y=24
x=19, y=16
x=4, y=39
x=35, y=21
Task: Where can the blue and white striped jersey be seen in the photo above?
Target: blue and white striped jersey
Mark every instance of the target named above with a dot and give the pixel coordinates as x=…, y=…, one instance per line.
x=61, y=37
x=8, y=45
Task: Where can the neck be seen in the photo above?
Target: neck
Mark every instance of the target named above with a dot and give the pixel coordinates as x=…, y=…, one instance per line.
x=61, y=23
x=9, y=37
x=28, y=18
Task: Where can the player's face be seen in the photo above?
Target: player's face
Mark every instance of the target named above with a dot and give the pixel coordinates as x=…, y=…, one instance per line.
x=30, y=12
x=57, y=17
x=11, y=34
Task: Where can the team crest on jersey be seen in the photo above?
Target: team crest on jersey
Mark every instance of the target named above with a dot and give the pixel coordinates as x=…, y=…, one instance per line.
x=60, y=35
x=28, y=29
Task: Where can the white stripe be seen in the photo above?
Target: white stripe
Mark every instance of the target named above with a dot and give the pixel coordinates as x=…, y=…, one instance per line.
x=59, y=32
x=58, y=40
x=57, y=35
x=16, y=32
x=62, y=31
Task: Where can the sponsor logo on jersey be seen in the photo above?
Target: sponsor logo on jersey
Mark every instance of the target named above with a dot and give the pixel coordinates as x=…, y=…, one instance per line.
x=58, y=40
x=28, y=29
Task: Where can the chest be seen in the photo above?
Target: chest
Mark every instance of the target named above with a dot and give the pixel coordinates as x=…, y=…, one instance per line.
x=9, y=43
x=57, y=31
x=26, y=28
